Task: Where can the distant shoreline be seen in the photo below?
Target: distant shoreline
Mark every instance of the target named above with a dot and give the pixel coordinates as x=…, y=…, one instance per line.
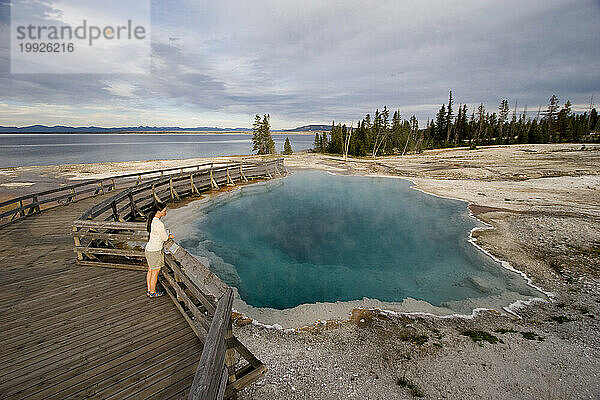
x=160, y=133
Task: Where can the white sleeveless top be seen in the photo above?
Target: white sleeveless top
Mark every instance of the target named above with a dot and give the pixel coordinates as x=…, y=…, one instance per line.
x=158, y=235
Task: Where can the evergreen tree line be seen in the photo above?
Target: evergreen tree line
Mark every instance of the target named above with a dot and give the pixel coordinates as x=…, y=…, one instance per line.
x=380, y=135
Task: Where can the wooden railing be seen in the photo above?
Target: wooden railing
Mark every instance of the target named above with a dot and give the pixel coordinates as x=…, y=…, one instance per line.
x=21, y=207
x=102, y=236
x=111, y=234
x=212, y=376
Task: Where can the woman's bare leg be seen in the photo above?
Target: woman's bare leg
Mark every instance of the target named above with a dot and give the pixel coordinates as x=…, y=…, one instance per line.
x=153, y=279
x=148, y=276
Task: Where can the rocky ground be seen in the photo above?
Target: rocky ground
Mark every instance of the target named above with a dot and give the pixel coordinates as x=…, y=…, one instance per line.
x=543, y=202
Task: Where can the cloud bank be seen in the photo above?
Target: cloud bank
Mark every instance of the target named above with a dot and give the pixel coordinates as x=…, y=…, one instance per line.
x=219, y=63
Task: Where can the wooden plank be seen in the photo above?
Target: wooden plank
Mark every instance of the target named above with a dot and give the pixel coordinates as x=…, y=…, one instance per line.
x=83, y=365
x=24, y=377
x=195, y=325
x=131, y=226
x=109, y=372
x=198, y=273
x=27, y=342
x=127, y=237
x=152, y=380
x=177, y=390
x=132, y=267
x=206, y=383
x=23, y=300
x=58, y=309
x=198, y=315
x=208, y=303
x=111, y=252
x=48, y=345
x=247, y=379
x=22, y=288
x=235, y=343
x=83, y=375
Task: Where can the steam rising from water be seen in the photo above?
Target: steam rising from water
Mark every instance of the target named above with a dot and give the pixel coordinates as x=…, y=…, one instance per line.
x=314, y=237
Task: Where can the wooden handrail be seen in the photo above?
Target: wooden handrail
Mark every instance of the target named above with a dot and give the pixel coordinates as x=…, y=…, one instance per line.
x=93, y=187
x=181, y=179
x=211, y=376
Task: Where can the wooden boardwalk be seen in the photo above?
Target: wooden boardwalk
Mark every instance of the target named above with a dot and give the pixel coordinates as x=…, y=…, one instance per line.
x=70, y=331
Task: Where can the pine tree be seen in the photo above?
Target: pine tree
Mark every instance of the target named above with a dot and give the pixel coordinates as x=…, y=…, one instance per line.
x=565, y=125
x=449, y=117
x=551, y=118
x=257, y=135
x=263, y=142
x=480, y=121
x=502, y=117
x=440, y=124
x=287, y=147
x=593, y=121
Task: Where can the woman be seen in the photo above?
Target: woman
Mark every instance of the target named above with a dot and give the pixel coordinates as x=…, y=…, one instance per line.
x=154, y=248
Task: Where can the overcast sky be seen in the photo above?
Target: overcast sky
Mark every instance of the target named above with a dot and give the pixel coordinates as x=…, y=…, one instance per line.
x=217, y=63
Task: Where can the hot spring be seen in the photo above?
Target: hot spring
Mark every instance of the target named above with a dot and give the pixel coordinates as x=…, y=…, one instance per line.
x=314, y=237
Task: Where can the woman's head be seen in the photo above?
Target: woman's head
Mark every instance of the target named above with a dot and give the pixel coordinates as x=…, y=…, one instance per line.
x=159, y=210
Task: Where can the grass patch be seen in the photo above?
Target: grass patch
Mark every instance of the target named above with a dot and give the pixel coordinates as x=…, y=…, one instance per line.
x=505, y=330
x=419, y=340
x=529, y=335
x=481, y=336
x=415, y=390
x=561, y=319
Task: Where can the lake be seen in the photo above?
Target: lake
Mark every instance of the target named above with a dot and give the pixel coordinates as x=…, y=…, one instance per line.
x=17, y=150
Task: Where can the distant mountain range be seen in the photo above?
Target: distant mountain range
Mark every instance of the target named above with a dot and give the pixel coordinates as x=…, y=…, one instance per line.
x=97, y=129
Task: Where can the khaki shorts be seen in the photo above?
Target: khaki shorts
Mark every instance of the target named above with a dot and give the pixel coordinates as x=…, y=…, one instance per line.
x=156, y=259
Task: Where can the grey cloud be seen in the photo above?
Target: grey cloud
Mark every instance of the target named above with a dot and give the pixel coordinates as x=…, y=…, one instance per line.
x=317, y=61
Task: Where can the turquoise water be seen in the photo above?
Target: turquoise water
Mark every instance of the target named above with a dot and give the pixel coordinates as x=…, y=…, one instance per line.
x=315, y=237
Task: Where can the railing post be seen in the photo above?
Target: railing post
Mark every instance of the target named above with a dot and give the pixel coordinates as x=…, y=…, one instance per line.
x=267, y=171
x=242, y=173
x=213, y=183
x=156, y=198
x=36, y=204
x=174, y=194
x=113, y=205
x=230, y=357
x=229, y=180
x=276, y=169
x=22, y=211
x=193, y=187
x=77, y=242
